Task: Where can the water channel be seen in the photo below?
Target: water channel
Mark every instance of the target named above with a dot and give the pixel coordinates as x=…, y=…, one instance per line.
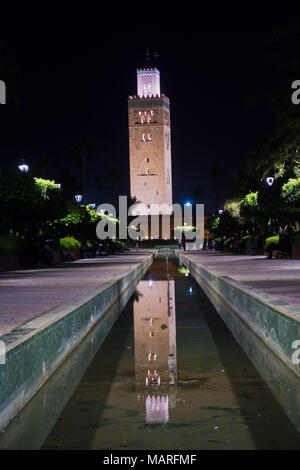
x=168, y=375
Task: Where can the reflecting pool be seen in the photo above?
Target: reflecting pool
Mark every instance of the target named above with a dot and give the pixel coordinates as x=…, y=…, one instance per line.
x=169, y=375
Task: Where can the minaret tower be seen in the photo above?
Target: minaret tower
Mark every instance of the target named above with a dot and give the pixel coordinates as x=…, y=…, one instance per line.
x=150, y=142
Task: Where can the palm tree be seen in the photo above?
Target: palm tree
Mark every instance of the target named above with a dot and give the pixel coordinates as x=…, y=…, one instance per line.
x=87, y=149
x=112, y=178
x=78, y=155
x=197, y=194
x=216, y=176
x=132, y=201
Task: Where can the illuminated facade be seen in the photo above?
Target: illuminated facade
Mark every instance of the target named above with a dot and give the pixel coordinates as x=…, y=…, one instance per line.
x=155, y=347
x=150, y=144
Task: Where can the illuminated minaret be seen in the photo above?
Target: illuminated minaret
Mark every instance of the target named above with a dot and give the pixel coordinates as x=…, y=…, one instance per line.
x=150, y=141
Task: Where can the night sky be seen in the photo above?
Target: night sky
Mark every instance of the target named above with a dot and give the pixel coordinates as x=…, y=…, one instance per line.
x=80, y=86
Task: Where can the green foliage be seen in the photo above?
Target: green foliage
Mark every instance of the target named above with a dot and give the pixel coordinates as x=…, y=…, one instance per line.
x=291, y=190
x=229, y=224
x=225, y=225
x=28, y=203
x=233, y=205
x=11, y=245
x=80, y=222
x=274, y=239
x=45, y=187
x=228, y=241
x=212, y=223
x=249, y=240
x=183, y=270
x=110, y=219
x=79, y=215
x=250, y=200
x=70, y=243
x=186, y=228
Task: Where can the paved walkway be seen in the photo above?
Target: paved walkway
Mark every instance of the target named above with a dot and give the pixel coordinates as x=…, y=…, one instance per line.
x=25, y=295
x=276, y=277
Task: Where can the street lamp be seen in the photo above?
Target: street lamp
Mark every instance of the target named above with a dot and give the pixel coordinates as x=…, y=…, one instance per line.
x=78, y=197
x=23, y=166
x=92, y=206
x=270, y=180
x=221, y=211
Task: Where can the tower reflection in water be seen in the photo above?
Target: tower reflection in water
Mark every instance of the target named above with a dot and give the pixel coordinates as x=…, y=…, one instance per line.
x=155, y=348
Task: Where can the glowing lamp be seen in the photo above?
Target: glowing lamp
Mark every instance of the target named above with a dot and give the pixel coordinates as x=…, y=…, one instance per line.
x=270, y=180
x=24, y=168
x=78, y=198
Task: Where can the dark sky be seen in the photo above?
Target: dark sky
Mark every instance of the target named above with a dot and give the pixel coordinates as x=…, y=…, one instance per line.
x=80, y=85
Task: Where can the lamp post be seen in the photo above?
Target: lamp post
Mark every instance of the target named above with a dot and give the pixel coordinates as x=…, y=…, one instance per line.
x=23, y=166
x=78, y=198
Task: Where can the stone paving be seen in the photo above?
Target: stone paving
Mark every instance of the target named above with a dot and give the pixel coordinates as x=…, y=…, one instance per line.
x=25, y=295
x=276, y=277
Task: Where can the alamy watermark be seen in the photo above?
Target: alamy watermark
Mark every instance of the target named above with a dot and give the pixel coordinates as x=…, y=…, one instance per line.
x=2, y=92
x=296, y=354
x=296, y=94
x=159, y=216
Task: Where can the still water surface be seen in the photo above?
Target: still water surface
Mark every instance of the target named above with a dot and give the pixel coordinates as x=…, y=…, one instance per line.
x=169, y=375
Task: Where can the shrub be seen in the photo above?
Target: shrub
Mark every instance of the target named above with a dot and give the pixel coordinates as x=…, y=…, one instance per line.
x=70, y=243
x=249, y=240
x=10, y=245
x=291, y=190
x=274, y=239
x=228, y=241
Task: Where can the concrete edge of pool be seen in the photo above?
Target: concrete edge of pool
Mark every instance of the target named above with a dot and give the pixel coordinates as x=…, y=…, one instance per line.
x=276, y=323
x=35, y=350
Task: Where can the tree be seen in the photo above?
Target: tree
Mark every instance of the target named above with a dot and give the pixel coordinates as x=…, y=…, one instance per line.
x=28, y=204
x=80, y=221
